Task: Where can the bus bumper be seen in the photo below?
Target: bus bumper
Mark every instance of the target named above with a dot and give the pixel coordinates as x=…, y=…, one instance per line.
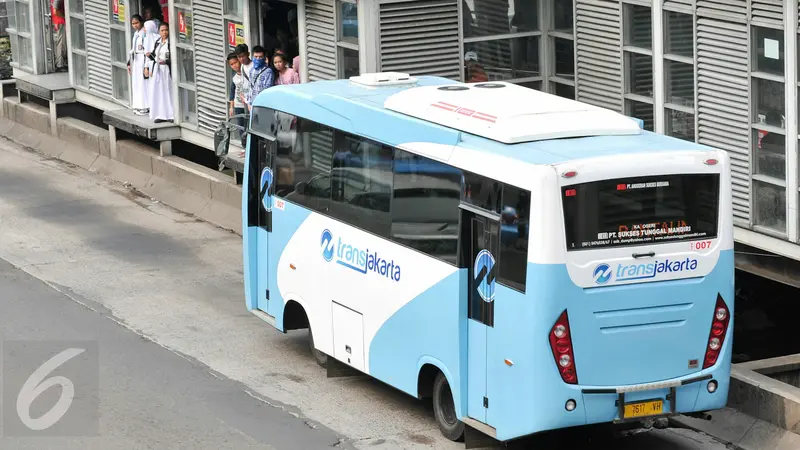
x=603, y=404
x=636, y=403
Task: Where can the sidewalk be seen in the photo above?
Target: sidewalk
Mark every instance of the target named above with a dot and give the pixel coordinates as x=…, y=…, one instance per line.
x=741, y=431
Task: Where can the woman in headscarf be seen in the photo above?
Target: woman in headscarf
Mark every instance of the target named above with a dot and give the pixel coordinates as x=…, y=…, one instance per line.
x=161, y=109
x=150, y=38
x=136, y=64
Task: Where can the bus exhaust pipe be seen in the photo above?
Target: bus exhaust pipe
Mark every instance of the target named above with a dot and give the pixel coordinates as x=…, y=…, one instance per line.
x=699, y=415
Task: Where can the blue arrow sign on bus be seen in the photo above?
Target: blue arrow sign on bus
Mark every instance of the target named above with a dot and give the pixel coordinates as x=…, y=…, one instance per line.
x=266, y=183
x=484, y=275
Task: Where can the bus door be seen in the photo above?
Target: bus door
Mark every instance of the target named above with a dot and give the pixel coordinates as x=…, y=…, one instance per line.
x=265, y=148
x=479, y=247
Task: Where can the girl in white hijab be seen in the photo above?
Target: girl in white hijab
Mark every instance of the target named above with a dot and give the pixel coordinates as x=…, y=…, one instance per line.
x=136, y=65
x=150, y=39
x=161, y=109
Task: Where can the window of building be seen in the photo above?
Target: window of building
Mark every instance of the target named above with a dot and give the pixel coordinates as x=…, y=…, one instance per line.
x=768, y=47
x=234, y=8
x=768, y=128
x=347, y=58
x=187, y=87
x=233, y=11
x=425, y=213
x=679, y=109
x=561, y=49
x=797, y=86
x=500, y=45
x=120, y=81
x=637, y=35
x=77, y=28
x=19, y=32
x=638, y=26
x=770, y=205
x=527, y=42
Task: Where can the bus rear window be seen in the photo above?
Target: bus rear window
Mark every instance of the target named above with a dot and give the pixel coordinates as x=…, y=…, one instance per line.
x=642, y=210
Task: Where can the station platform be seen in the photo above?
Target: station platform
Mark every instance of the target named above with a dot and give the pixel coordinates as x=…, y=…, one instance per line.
x=54, y=88
x=124, y=119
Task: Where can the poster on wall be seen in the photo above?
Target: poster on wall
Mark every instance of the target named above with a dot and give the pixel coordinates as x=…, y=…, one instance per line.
x=235, y=34
x=181, y=25
x=118, y=10
x=184, y=26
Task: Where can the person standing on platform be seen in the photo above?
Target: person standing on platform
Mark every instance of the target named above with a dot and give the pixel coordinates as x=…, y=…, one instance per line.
x=238, y=90
x=261, y=76
x=161, y=109
x=285, y=74
x=136, y=64
x=151, y=37
x=59, y=34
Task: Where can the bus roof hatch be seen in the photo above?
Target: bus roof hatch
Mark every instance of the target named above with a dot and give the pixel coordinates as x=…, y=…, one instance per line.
x=383, y=79
x=509, y=113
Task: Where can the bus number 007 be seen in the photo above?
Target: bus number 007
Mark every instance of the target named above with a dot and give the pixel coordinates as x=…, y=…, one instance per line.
x=701, y=245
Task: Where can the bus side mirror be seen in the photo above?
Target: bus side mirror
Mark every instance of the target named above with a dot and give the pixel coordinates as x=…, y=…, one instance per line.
x=222, y=135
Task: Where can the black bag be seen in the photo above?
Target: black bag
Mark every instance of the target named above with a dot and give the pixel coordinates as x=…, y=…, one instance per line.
x=222, y=139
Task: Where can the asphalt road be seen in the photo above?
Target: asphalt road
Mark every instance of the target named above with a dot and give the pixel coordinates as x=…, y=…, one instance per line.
x=182, y=364
x=128, y=392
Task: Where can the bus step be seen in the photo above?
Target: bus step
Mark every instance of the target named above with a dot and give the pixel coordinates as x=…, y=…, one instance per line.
x=338, y=369
x=477, y=439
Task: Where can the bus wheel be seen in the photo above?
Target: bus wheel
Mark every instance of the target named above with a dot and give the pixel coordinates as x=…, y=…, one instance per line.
x=322, y=358
x=444, y=409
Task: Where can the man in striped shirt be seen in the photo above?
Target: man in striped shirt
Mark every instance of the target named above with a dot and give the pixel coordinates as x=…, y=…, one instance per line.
x=261, y=75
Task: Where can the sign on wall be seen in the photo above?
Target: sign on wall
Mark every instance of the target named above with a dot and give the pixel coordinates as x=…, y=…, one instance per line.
x=235, y=34
x=184, y=26
x=119, y=11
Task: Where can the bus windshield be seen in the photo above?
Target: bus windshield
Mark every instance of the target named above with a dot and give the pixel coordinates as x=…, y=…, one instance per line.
x=641, y=210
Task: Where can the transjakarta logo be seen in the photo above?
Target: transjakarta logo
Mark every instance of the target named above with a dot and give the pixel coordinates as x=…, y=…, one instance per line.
x=352, y=257
x=602, y=273
x=628, y=272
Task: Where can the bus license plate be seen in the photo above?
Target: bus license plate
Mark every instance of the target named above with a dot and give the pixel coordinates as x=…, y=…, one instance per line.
x=642, y=409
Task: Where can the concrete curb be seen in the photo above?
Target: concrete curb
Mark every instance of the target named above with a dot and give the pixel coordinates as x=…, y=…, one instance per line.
x=740, y=431
x=176, y=182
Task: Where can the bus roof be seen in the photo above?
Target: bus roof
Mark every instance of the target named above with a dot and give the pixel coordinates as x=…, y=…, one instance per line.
x=512, y=121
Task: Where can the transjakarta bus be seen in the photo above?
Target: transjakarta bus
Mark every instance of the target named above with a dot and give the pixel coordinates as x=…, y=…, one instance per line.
x=530, y=262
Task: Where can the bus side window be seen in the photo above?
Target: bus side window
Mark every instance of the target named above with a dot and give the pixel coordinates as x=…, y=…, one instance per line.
x=361, y=183
x=425, y=213
x=304, y=163
x=514, y=232
x=481, y=192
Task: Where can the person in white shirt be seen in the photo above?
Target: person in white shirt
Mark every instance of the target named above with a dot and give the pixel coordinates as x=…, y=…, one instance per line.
x=136, y=64
x=243, y=53
x=238, y=93
x=161, y=108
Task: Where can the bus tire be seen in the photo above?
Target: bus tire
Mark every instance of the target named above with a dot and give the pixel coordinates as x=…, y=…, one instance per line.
x=444, y=409
x=320, y=357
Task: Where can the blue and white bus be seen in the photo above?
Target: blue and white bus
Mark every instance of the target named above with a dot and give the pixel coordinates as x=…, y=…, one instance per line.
x=527, y=261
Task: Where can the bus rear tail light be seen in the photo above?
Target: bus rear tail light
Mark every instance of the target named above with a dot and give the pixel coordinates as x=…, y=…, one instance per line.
x=561, y=345
x=719, y=329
